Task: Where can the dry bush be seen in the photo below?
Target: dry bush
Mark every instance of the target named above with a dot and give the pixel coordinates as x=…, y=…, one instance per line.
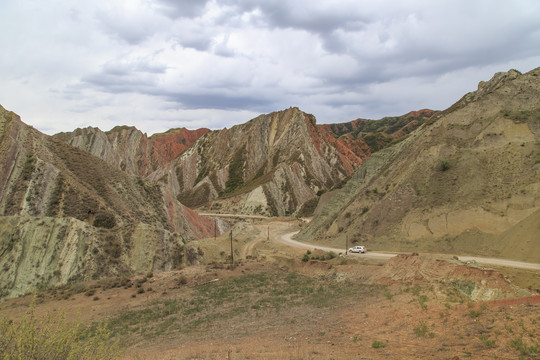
x=52, y=337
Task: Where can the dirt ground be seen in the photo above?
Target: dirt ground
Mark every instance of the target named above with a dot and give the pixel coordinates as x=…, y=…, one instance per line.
x=376, y=310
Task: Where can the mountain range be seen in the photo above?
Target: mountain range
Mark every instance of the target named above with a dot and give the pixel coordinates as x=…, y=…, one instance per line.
x=89, y=204
x=275, y=164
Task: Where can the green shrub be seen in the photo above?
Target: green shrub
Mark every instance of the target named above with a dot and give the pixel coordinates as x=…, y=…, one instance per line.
x=421, y=330
x=182, y=280
x=378, y=344
x=52, y=337
x=444, y=165
x=330, y=255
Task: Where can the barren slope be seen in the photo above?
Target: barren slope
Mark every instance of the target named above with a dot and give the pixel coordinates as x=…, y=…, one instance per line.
x=65, y=214
x=466, y=182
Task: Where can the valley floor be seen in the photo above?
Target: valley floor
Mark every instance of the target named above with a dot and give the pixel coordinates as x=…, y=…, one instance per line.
x=273, y=305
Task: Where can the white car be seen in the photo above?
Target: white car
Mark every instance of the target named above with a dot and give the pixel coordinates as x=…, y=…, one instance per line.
x=357, y=249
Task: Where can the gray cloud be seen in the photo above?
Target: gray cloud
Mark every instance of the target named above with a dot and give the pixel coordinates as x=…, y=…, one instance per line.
x=223, y=101
x=157, y=62
x=312, y=16
x=181, y=8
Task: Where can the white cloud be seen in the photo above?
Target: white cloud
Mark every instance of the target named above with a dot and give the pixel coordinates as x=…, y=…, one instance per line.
x=164, y=63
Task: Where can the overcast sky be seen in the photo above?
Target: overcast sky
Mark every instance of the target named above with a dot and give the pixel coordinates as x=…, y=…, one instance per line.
x=161, y=64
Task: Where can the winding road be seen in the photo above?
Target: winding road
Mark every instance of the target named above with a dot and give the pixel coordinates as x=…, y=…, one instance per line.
x=287, y=239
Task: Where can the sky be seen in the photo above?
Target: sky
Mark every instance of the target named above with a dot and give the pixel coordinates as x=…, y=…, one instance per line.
x=162, y=64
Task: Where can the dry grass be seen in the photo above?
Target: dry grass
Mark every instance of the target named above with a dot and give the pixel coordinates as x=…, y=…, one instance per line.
x=257, y=310
x=54, y=337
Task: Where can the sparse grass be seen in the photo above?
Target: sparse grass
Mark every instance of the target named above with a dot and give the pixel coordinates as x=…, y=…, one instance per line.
x=236, y=169
x=422, y=301
x=416, y=290
x=523, y=116
x=525, y=349
x=250, y=295
x=378, y=344
x=486, y=341
x=422, y=330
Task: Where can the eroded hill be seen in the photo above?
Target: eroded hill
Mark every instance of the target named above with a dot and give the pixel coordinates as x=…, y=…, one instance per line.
x=467, y=181
x=67, y=215
x=130, y=150
x=275, y=164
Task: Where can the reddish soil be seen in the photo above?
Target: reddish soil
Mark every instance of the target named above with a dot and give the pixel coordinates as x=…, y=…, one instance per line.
x=416, y=313
x=408, y=321
x=170, y=145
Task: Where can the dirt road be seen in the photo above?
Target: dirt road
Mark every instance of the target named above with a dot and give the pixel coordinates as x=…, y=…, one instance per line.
x=287, y=239
x=238, y=216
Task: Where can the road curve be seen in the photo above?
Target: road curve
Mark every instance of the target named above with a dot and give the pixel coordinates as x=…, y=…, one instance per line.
x=287, y=239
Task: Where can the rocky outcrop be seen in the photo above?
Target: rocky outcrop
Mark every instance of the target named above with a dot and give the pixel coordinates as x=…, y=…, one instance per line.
x=478, y=284
x=276, y=164
x=376, y=135
x=130, y=150
x=59, y=204
x=463, y=182
x=272, y=165
x=45, y=252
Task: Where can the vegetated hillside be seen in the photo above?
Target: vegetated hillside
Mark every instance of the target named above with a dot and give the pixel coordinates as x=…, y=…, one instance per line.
x=467, y=181
x=276, y=164
x=129, y=149
x=377, y=134
x=65, y=214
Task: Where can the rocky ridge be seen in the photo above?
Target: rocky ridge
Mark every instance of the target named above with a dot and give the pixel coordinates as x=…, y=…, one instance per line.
x=130, y=150
x=278, y=163
x=275, y=164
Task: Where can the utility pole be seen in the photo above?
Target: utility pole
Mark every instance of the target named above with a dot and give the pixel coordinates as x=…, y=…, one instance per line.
x=232, y=254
